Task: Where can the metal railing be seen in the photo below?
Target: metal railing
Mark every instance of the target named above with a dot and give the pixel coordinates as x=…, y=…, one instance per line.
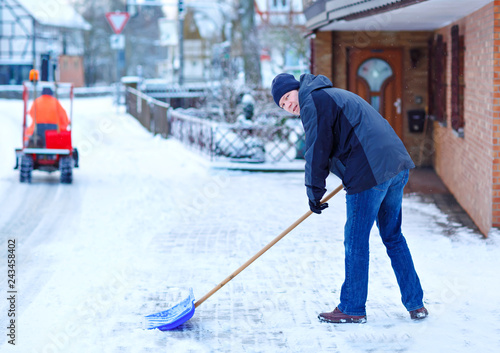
x=243, y=142
x=151, y=113
x=192, y=131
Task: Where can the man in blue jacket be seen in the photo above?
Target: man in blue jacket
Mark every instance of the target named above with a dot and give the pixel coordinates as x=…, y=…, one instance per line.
x=347, y=136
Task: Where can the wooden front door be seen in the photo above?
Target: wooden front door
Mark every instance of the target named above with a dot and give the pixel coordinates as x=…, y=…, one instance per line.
x=375, y=75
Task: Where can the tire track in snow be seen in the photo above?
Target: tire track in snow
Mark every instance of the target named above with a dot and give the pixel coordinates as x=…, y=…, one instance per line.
x=28, y=210
x=37, y=221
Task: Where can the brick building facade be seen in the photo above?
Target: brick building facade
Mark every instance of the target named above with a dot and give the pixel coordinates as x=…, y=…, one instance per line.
x=449, y=69
x=469, y=165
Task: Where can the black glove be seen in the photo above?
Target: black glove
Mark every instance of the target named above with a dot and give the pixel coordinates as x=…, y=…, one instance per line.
x=317, y=207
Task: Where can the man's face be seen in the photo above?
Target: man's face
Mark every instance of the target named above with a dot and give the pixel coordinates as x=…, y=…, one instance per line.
x=290, y=102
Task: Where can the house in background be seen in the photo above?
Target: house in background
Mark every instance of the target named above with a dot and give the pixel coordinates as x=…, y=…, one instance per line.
x=281, y=27
x=431, y=67
x=211, y=51
x=204, y=37
x=47, y=35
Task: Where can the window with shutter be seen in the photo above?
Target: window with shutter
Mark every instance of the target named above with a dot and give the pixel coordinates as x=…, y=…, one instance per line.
x=440, y=80
x=437, y=79
x=457, y=80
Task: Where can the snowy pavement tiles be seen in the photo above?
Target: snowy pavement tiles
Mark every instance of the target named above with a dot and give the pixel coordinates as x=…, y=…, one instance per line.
x=145, y=221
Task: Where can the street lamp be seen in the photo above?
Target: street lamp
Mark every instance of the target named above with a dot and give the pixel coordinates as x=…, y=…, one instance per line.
x=181, y=41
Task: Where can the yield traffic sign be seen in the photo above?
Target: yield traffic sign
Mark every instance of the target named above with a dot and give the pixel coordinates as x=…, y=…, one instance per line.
x=117, y=20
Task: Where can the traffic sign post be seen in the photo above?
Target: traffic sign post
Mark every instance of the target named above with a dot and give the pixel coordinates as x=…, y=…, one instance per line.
x=117, y=20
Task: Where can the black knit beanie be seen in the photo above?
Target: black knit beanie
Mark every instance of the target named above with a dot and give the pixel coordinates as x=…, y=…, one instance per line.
x=283, y=83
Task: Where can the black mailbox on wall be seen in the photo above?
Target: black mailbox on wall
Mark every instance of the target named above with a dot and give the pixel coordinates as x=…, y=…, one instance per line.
x=416, y=119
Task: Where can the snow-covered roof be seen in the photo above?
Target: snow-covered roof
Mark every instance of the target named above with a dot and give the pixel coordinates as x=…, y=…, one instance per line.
x=336, y=15
x=210, y=22
x=54, y=13
x=267, y=5
x=210, y=17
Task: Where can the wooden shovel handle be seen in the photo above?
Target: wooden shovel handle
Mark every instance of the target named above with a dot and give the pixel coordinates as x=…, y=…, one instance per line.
x=267, y=247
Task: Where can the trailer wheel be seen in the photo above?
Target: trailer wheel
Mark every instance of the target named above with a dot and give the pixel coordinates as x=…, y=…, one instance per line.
x=26, y=169
x=66, y=168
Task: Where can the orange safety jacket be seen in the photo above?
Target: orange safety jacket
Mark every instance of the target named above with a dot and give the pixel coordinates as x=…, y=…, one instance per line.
x=48, y=111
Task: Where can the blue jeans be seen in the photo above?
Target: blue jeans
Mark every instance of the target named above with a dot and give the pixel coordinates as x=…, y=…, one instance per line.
x=382, y=204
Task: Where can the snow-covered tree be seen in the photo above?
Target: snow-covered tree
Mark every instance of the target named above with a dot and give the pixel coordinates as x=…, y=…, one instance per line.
x=250, y=43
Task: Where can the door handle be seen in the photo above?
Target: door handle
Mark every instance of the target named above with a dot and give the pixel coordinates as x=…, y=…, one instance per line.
x=397, y=104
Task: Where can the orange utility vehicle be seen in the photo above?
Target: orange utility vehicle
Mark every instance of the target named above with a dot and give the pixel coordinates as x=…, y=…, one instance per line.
x=47, y=142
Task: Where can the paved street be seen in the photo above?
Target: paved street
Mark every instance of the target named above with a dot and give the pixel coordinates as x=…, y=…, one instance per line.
x=146, y=219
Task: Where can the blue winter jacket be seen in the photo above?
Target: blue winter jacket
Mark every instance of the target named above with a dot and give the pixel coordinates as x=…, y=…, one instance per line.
x=347, y=136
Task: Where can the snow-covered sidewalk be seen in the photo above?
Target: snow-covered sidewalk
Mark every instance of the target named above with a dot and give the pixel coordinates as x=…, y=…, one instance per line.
x=146, y=219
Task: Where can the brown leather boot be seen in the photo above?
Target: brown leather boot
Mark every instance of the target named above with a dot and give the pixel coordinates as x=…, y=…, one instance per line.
x=338, y=317
x=419, y=314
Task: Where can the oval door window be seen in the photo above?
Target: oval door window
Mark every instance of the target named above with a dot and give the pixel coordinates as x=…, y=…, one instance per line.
x=375, y=72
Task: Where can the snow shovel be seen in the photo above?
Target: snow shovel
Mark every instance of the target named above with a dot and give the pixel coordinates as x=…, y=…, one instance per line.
x=182, y=312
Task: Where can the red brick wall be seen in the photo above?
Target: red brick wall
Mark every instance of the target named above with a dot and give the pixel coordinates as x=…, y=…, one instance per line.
x=322, y=47
x=469, y=165
x=465, y=164
x=496, y=115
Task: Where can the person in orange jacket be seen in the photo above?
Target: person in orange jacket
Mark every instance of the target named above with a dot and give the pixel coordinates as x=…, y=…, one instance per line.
x=48, y=114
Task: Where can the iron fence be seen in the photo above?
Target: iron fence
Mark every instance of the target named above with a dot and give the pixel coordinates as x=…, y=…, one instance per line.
x=151, y=113
x=246, y=141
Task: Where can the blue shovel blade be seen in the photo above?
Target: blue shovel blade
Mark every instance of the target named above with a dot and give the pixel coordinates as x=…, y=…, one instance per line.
x=173, y=317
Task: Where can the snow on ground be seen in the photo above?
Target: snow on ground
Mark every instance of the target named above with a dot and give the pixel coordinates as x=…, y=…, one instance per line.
x=146, y=219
